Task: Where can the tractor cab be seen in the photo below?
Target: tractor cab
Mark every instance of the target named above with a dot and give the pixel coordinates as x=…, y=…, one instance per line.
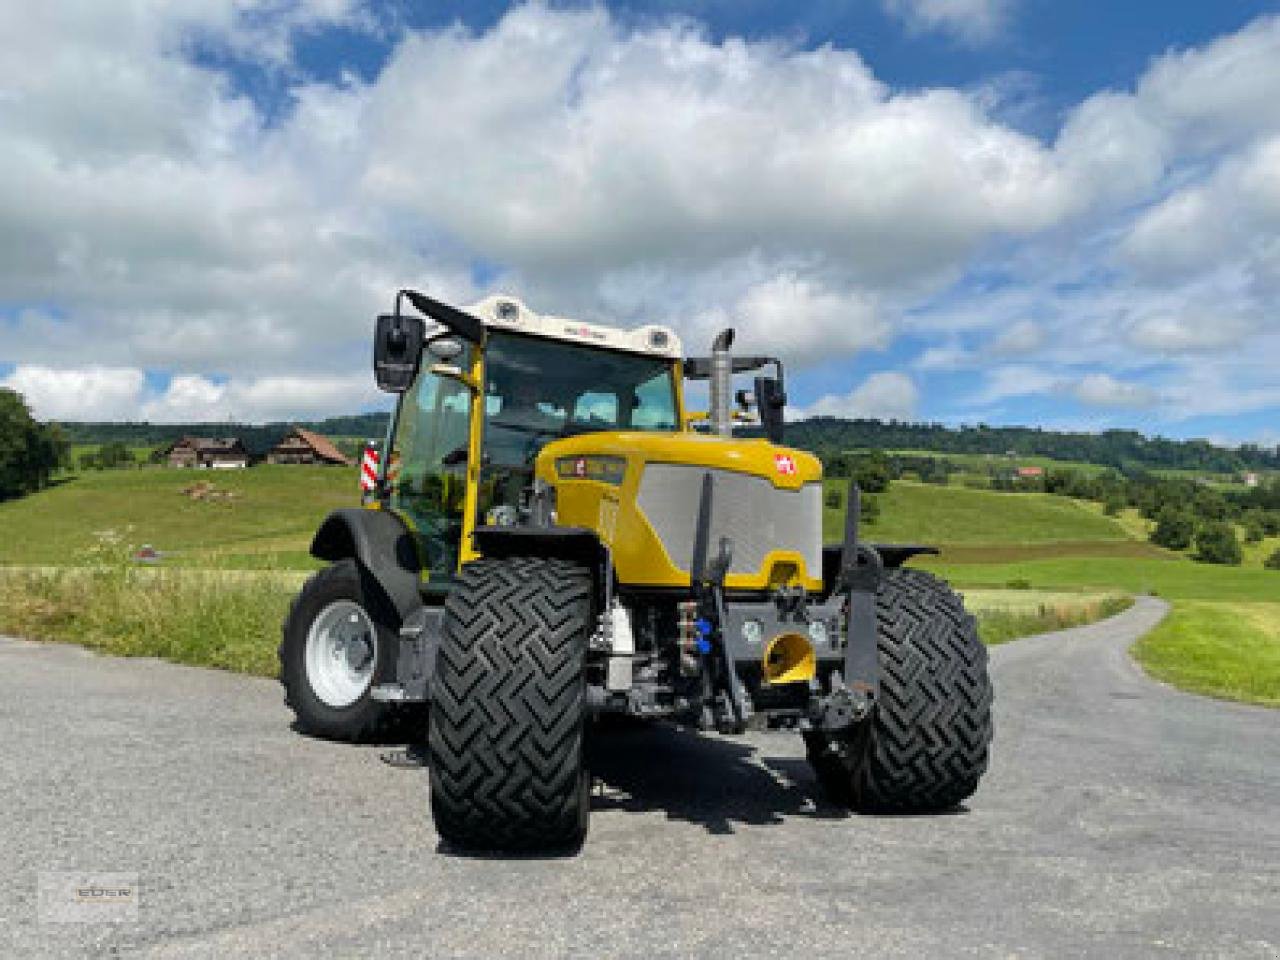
x=489, y=410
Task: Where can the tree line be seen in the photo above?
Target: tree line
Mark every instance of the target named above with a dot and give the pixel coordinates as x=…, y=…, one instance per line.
x=257, y=438
x=1123, y=450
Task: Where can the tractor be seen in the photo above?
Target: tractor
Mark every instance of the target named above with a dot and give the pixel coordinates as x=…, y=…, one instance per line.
x=555, y=540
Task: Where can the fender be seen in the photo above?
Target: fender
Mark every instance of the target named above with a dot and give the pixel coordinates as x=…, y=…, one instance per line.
x=383, y=546
x=579, y=544
x=893, y=554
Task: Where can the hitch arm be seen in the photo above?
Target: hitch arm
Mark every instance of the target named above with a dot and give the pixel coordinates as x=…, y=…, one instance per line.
x=707, y=578
x=861, y=568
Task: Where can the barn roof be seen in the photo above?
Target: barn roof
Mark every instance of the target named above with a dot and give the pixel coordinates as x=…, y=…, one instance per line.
x=323, y=446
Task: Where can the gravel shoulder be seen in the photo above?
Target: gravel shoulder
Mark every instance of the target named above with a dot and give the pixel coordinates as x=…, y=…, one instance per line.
x=1120, y=818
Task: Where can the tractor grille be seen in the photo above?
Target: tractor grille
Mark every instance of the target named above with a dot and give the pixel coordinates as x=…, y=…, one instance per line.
x=755, y=514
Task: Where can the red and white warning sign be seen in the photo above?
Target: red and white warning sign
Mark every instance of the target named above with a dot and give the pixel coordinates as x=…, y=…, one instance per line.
x=785, y=464
x=369, y=469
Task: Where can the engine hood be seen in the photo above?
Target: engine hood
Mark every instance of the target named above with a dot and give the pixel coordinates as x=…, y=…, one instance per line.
x=784, y=467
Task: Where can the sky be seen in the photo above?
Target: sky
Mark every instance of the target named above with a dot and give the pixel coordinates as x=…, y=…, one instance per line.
x=964, y=211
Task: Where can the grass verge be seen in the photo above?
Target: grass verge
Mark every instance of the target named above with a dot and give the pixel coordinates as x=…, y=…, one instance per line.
x=1225, y=650
x=231, y=622
x=1010, y=617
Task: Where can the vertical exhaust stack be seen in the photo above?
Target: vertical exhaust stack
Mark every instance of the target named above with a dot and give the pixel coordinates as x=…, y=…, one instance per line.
x=722, y=384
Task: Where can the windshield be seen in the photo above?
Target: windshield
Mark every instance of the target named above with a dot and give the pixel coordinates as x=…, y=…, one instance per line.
x=537, y=390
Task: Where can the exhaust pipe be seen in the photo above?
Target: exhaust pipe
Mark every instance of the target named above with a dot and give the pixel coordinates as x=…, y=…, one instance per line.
x=721, y=412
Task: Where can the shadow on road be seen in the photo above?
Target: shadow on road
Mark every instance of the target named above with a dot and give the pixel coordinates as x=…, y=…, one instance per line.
x=710, y=781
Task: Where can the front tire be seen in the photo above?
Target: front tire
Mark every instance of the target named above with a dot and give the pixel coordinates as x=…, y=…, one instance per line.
x=508, y=707
x=925, y=746
x=335, y=640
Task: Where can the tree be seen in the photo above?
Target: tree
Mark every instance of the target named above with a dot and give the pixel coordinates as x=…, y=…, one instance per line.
x=1216, y=543
x=114, y=454
x=1174, y=529
x=1254, y=531
x=1273, y=562
x=1113, y=504
x=834, y=499
x=29, y=451
x=870, y=510
x=872, y=471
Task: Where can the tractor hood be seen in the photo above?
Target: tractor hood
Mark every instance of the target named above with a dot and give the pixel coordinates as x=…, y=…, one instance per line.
x=641, y=494
x=784, y=467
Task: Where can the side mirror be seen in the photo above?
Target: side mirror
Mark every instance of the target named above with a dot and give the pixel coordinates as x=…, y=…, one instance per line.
x=770, y=402
x=397, y=348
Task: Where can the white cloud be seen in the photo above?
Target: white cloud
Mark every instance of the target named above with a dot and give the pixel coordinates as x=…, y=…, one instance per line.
x=797, y=318
x=971, y=21
x=948, y=356
x=888, y=395
x=1189, y=333
x=1025, y=336
x=90, y=393
x=1104, y=390
x=122, y=393
x=1014, y=380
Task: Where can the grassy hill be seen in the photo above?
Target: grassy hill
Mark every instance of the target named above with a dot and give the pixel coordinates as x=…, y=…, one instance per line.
x=261, y=517
x=924, y=513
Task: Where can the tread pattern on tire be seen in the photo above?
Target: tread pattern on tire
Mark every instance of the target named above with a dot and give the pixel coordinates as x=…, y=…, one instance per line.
x=363, y=721
x=926, y=745
x=508, y=705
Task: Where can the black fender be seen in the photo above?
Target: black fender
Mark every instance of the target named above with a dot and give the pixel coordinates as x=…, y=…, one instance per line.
x=894, y=555
x=382, y=545
x=580, y=545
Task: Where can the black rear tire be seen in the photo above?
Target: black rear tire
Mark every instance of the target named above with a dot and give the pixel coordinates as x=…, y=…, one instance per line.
x=925, y=746
x=508, y=706
x=365, y=718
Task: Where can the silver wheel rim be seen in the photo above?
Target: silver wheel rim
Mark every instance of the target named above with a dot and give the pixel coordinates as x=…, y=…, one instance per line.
x=342, y=648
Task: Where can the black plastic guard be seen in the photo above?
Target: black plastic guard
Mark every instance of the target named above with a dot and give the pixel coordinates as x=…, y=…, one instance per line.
x=580, y=544
x=384, y=547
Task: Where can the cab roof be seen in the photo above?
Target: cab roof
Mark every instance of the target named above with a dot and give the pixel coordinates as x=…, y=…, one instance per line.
x=501, y=312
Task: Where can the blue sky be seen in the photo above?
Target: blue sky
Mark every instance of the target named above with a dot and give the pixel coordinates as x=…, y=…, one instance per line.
x=1002, y=211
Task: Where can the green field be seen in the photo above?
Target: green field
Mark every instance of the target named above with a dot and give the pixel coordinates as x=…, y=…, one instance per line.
x=266, y=519
x=926, y=513
x=1229, y=650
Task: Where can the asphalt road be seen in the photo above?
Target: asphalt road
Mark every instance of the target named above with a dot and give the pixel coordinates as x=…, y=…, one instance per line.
x=1119, y=819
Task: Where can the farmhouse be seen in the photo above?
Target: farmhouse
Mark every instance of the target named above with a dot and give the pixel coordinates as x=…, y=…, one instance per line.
x=1030, y=473
x=208, y=453
x=304, y=446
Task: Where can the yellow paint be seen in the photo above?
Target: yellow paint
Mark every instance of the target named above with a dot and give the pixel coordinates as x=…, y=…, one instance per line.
x=639, y=556
x=789, y=658
x=471, y=504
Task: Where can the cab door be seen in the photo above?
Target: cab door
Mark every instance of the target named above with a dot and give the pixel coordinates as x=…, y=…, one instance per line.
x=427, y=470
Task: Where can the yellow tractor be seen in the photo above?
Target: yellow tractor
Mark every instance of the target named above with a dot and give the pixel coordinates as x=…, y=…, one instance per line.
x=555, y=539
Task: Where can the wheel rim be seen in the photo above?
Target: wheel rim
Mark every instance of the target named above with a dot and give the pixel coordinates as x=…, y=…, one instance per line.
x=342, y=648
